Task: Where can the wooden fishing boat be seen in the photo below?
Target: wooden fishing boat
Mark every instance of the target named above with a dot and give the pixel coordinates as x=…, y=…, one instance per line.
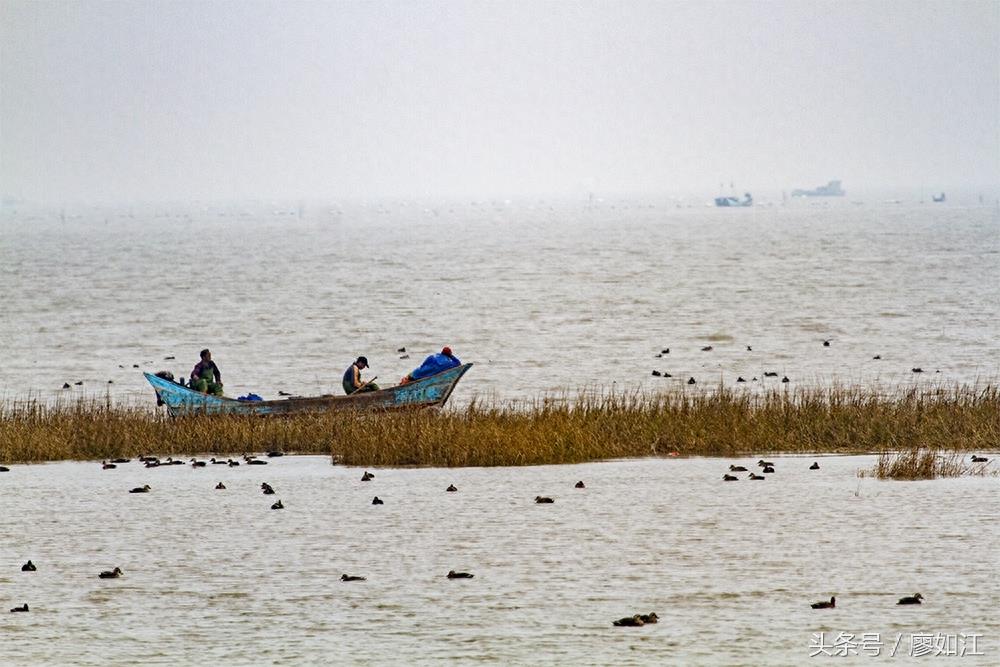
x=426, y=392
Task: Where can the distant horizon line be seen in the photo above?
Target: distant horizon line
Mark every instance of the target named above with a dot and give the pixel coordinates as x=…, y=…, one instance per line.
x=8, y=201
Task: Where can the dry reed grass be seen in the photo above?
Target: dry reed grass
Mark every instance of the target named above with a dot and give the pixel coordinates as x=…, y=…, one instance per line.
x=718, y=423
x=917, y=464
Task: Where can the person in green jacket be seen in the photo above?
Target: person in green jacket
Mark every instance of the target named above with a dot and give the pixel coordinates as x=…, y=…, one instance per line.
x=206, y=377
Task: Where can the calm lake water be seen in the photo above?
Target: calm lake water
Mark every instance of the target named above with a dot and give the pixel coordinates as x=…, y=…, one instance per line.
x=731, y=568
x=542, y=296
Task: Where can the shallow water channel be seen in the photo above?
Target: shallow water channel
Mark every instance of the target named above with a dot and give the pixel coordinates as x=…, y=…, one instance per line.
x=216, y=576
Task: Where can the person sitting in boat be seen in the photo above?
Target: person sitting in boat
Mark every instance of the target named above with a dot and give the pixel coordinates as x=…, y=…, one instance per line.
x=433, y=365
x=206, y=377
x=352, y=377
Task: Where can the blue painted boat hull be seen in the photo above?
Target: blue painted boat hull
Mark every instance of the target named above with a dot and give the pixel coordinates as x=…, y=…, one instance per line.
x=432, y=391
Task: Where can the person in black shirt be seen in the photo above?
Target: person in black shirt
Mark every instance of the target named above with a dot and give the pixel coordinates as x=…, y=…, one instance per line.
x=352, y=378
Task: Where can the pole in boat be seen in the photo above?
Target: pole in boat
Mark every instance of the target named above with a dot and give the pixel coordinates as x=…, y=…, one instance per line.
x=364, y=384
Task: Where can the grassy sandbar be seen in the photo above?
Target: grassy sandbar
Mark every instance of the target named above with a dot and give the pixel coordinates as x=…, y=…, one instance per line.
x=588, y=428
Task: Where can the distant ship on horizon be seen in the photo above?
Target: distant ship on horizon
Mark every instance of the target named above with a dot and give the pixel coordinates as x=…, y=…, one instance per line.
x=733, y=201
x=831, y=189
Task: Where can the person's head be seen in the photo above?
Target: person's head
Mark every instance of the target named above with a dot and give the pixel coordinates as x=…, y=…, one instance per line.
x=362, y=362
x=206, y=355
x=446, y=351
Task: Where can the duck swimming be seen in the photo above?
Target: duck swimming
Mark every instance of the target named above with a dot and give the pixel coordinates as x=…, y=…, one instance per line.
x=107, y=466
x=651, y=617
x=825, y=605
x=277, y=506
x=580, y=485
x=915, y=599
x=459, y=575
x=4, y=469
x=541, y=500
x=768, y=469
x=266, y=488
x=275, y=453
x=755, y=476
x=730, y=478
x=23, y=607
x=140, y=489
x=367, y=477
x=451, y=488
x=220, y=486
x=119, y=460
x=377, y=501
x=198, y=464
x=735, y=468
x=979, y=459
x=347, y=577
x=629, y=622
x=217, y=462
x=111, y=574
x=256, y=462
x=762, y=463
x=691, y=380
x=233, y=463
x=814, y=466
x=28, y=567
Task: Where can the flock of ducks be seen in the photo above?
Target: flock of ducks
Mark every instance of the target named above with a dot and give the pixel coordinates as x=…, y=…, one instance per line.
x=636, y=620
x=768, y=374
x=663, y=352
x=267, y=490
x=31, y=567
x=452, y=574
x=155, y=462
x=766, y=467
x=916, y=598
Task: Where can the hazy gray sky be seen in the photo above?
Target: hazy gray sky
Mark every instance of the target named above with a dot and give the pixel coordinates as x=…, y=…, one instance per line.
x=119, y=101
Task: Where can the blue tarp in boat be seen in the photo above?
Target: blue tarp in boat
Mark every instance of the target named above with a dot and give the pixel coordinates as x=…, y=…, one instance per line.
x=434, y=364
